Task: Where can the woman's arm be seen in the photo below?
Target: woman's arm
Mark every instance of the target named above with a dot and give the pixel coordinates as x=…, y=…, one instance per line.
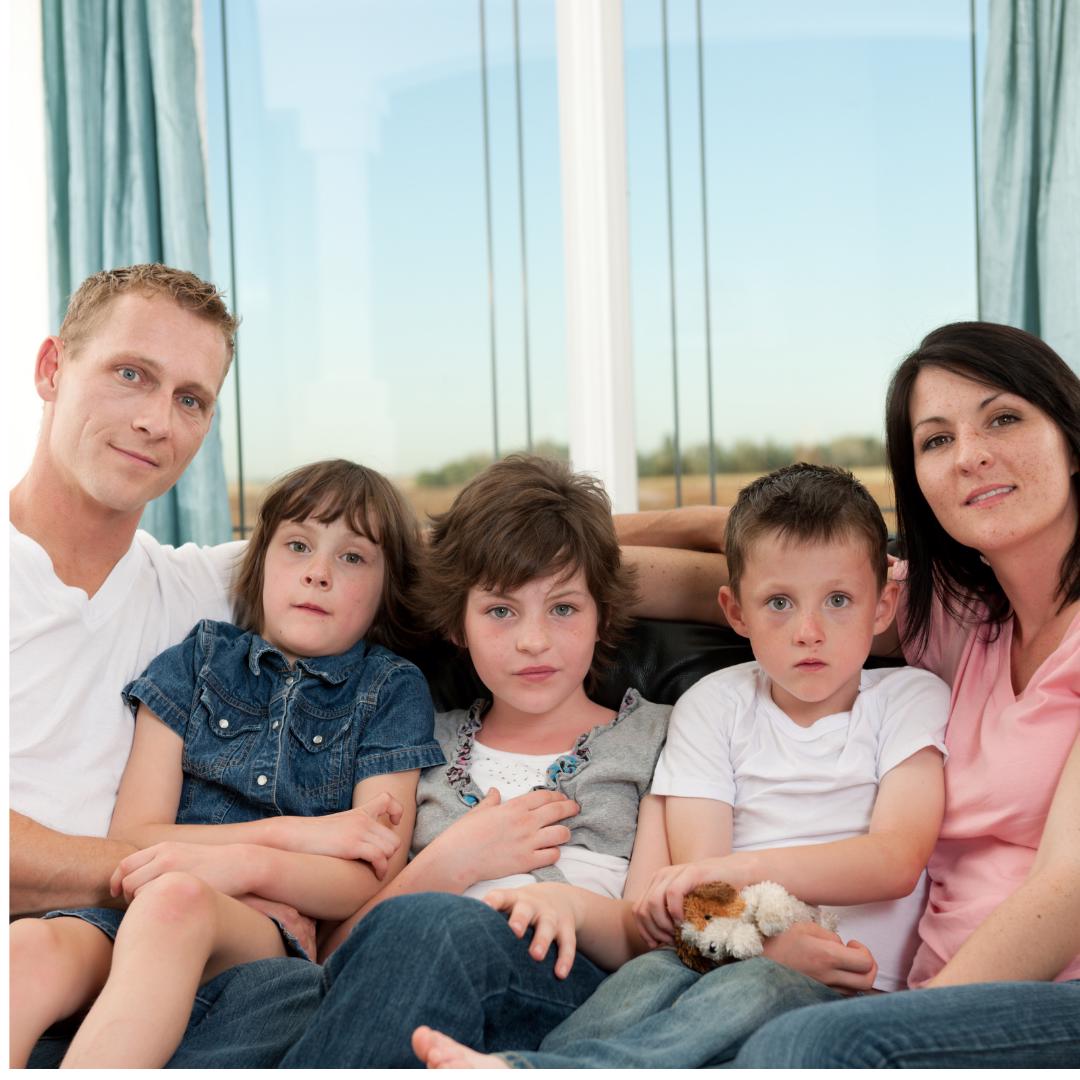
x=1035, y=933
x=149, y=796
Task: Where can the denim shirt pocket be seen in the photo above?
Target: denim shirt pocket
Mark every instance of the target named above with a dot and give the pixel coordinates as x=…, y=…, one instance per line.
x=221, y=735
x=320, y=758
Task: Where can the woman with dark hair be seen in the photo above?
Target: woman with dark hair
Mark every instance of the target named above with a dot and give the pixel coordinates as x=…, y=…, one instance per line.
x=983, y=431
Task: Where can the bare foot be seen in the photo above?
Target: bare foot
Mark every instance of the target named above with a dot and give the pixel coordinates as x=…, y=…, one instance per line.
x=438, y=1051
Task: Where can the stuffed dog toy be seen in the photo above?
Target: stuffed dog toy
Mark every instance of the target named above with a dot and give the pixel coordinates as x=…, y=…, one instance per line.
x=722, y=925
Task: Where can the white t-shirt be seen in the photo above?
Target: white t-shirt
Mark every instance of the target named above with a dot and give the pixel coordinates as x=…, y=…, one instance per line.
x=70, y=656
x=515, y=774
x=790, y=785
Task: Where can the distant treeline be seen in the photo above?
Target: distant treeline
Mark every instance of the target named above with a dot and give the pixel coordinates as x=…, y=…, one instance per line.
x=743, y=456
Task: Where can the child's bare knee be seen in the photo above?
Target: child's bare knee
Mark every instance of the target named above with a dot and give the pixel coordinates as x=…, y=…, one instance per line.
x=174, y=899
x=39, y=946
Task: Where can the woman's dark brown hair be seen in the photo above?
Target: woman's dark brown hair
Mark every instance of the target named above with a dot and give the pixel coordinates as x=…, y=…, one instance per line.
x=1002, y=358
x=372, y=507
x=524, y=518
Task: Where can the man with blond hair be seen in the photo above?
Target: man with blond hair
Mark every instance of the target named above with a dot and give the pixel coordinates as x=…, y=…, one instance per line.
x=129, y=386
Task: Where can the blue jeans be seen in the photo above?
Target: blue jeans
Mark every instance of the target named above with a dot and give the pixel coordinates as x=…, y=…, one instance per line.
x=445, y=961
x=986, y=1025
x=655, y=1013
x=431, y=959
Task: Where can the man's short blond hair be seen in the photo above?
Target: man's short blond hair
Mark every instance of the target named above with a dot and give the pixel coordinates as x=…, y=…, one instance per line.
x=92, y=298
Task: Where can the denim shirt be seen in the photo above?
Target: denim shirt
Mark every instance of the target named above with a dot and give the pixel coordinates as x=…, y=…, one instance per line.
x=261, y=738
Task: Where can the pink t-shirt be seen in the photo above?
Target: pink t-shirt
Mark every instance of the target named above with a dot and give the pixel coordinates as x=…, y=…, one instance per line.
x=1006, y=753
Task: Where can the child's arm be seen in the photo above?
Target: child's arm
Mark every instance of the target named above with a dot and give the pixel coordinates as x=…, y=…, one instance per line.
x=604, y=929
x=494, y=839
x=321, y=886
x=883, y=864
x=149, y=796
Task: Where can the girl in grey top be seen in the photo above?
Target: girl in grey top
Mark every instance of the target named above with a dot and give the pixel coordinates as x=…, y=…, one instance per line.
x=542, y=811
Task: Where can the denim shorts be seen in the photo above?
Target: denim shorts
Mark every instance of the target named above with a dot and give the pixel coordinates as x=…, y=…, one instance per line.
x=108, y=920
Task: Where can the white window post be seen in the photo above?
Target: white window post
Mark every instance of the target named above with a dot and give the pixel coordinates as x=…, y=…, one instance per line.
x=596, y=244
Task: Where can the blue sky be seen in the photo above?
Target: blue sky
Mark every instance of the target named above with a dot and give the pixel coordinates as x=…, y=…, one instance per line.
x=841, y=222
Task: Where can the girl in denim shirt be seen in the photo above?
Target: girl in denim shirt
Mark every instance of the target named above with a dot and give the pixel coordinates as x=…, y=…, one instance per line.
x=286, y=749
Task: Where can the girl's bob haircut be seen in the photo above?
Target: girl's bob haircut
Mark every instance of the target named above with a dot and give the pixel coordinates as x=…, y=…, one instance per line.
x=326, y=491
x=1001, y=358
x=524, y=518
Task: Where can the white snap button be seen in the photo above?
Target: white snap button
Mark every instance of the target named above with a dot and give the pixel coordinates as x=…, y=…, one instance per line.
x=223, y=723
x=275, y=725
x=261, y=781
x=317, y=740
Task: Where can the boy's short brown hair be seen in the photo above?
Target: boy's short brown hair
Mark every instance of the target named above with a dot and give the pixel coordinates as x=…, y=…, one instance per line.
x=372, y=507
x=808, y=503
x=92, y=298
x=523, y=518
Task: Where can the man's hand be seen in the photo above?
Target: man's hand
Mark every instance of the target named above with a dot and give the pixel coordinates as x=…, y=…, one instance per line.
x=660, y=908
x=229, y=868
x=496, y=839
x=822, y=955
x=552, y=910
x=300, y=926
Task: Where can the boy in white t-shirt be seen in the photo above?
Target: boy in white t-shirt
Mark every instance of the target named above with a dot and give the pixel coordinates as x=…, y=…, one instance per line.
x=801, y=768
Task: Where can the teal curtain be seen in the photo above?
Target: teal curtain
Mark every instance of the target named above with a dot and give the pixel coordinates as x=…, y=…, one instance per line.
x=127, y=183
x=1029, y=169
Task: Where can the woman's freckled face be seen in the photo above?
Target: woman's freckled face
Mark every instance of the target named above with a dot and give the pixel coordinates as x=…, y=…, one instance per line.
x=994, y=468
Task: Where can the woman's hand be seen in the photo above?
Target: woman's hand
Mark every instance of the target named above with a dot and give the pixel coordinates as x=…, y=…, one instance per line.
x=551, y=909
x=229, y=868
x=822, y=955
x=496, y=839
x=660, y=908
x=350, y=834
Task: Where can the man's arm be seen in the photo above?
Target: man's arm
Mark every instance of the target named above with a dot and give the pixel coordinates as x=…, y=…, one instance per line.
x=51, y=870
x=693, y=528
x=677, y=585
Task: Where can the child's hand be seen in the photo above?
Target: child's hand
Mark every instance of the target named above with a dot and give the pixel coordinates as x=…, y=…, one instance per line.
x=225, y=867
x=822, y=955
x=496, y=839
x=660, y=908
x=551, y=910
x=300, y=926
x=349, y=834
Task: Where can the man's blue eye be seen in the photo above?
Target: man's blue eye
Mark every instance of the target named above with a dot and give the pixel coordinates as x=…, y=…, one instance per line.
x=128, y=374
x=189, y=401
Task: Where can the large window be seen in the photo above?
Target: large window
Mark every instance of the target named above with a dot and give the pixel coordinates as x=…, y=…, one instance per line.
x=386, y=208
x=392, y=233
x=834, y=145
